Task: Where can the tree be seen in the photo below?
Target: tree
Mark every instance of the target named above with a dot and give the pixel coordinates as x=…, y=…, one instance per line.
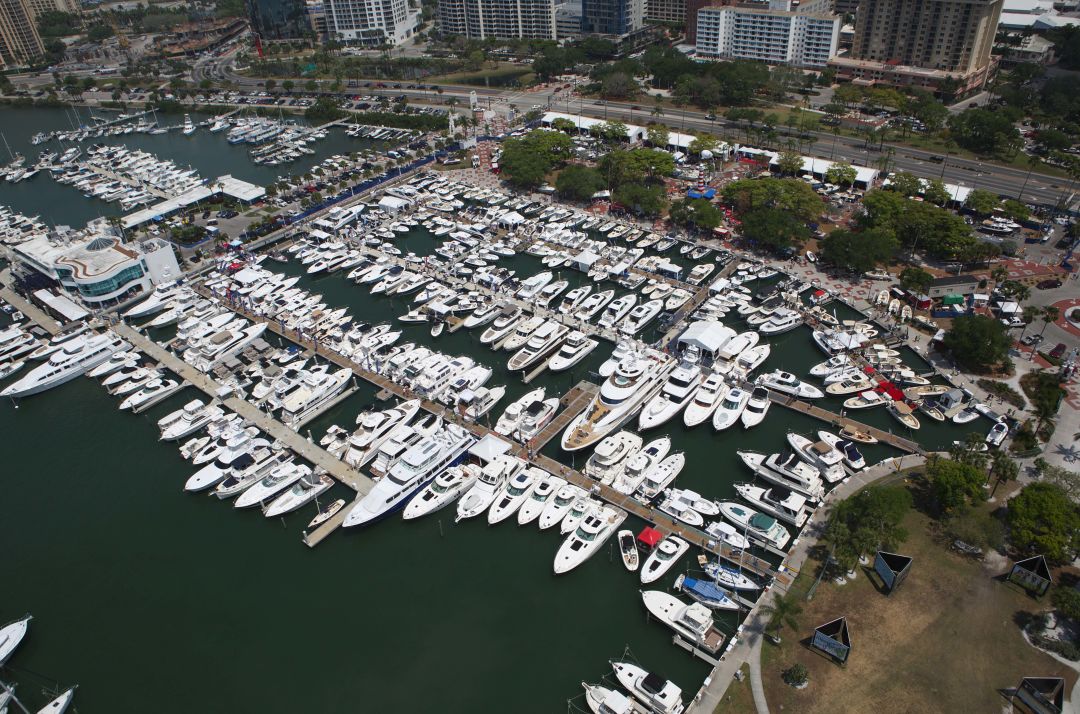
x=774, y=228
x=985, y=132
x=475, y=60
x=953, y=485
x=578, y=183
x=1042, y=519
x=527, y=160
x=618, y=85
x=841, y=174
x=99, y=32
x=658, y=135
x=288, y=85
x=860, y=251
x=1015, y=210
x=982, y=202
x=1050, y=314
x=916, y=280
x=1067, y=601
x=978, y=341
x=696, y=213
x=784, y=610
x=643, y=199
x=789, y=195
x=702, y=142
x=789, y=163
x=936, y=193
x=564, y=125
x=610, y=132
x=906, y=183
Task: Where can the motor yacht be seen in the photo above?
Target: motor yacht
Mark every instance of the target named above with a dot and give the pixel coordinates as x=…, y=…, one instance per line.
x=541, y=343
x=707, y=397
x=77, y=355
x=681, y=507
x=222, y=345
x=547, y=487
x=374, y=428
x=503, y=325
x=264, y=461
x=786, y=470
x=303, y=491
x=267, y=488
x=776, y=501
x=557, y=507
x=574, y=349
x=730, y=408
x=531, y=287
x=751, y=359
x=833, y=364
x=589, y=537
x=820, y=455
x=756, y=408
x=640, y=317
x=517, y=492
x=602, y=700
x=573, y=299
x=582, y=507
x=412, y=472
x=694, y=622
x=660, y=476
x=313, y=394
x=997, y=434
x=60, y=341
x=443, y=491
x=788, y=383
x=232, y=460
x=509, y=420
x=616, y=310
x=623, y=349
x=757, y=526
x=152, y=391
x=523, y=332
x=666, y=553
x=677, y=392
x=188, y=419
x=403, y=438
x=850, y=385
x=853, y=458
x=491, y=483
x=593, y=304
x=482, y=315
x=155, y=301
x=607, y=461
x=635, y=467
x=636, y=380
x=781, y=321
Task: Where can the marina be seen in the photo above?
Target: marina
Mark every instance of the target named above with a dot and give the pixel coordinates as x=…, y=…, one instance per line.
x=349, y=325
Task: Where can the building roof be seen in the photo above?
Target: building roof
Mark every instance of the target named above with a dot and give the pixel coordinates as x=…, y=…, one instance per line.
x=948, y=280
x=582, y=122
x=61, y=305
x=707, y=335
x=240, y=190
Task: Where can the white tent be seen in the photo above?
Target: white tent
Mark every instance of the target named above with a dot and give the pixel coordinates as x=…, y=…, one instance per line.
x=392, y=204
x=511, y=219
x=584, y=260
x=489, y=447
x=709, y=336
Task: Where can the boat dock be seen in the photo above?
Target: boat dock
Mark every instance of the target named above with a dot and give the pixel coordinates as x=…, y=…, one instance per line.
x=307, y=450
x=885, y=437
x=32, y=312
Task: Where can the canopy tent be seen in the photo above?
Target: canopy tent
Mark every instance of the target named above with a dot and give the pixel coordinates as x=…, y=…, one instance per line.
x=511, y=219
x=649, y=537
x=489, y=447
x=709, y=336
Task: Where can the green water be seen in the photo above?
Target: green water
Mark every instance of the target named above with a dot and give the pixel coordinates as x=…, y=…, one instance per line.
x=156, y=600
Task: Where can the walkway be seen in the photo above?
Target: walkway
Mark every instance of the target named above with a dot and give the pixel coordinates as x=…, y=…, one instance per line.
x=31, y=311
x=886, y=437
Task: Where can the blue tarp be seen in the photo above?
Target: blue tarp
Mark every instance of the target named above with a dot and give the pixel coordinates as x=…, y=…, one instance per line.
x=705, y=591
x=708, y=193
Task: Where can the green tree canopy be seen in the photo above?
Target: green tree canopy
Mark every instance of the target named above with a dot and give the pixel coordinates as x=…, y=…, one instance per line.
x=858, y=251
x=918, y=224
x=978, y=341
x=936, y=193
x=841, y=174
x=774, y=228
x=1042, y=519
x=906, y=183
x=643, y=199
x=788, y=195
x=658, y=135
x=527, y=160
x=789, y=163
x=985, y=132
x=916, y=280
x=954, y=485
x=695, y=212
x=578, y=183
x=982, y=202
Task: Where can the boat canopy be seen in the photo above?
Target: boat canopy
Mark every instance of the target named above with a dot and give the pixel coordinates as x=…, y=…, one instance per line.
x=489, y=447
x=649, y=537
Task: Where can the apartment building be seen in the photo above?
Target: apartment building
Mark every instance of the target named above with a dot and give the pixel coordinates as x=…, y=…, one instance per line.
x=370, y=22
x=923, y=43
x=20, y=43
x=481, y=19
x=775, y=34
x=667, y=10
x=612, y=17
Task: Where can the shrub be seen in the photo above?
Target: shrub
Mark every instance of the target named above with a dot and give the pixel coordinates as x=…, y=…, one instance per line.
x=796, y=675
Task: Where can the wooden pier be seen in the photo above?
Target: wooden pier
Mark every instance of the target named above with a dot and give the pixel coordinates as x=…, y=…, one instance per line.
x=885, y=437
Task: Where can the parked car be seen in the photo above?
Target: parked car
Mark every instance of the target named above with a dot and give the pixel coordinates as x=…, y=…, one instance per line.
x=1048, y=284
x=1059, y=350
x=1030, y=340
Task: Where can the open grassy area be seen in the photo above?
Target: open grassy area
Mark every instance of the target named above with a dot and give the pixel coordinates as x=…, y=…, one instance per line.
x=503, y=75
x=947, y=640
x=739, y=698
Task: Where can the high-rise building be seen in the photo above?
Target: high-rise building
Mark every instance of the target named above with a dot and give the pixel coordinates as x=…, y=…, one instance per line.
x=481, y=19
x=612, y=17
x=20, y=43
x=774, y=34
x=37, y=7
x=370, y=22
x=667, y=10
x=923, y=43
x=279, y=19
x=692, y=7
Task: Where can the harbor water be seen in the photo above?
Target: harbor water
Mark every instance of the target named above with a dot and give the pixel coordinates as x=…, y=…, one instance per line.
x=153, y=599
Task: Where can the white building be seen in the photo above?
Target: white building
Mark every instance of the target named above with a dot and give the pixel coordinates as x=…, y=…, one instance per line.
x=371, y=22
x=774, y=35
x=482, y=19
x=97, y=269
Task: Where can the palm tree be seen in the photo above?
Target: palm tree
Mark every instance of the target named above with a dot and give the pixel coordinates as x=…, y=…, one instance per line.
x=784, y=610
x=1031, y=314
x=999, y=274
x=1050, y=313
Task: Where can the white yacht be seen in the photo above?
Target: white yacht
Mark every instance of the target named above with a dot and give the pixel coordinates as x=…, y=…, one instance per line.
x=602, y=700
x=374, y=429
x=849, y=450
x=492, y=481
x=606, y=462
x=152, y=391
x=756, y=408
x=536, y=416
x=60, y=703
x=730, y=408
x=60, y=341
x=11, y=635
x=677, y=392
x=776, y=501
x=502, y=326
x=517, y=492
x=636, y=380
x=154, y=302
x=780, y=321
x=264, y=461
x=412, y=472
x=623, y=349
x=787, y=471
x=523, y=332
x=576, y=347
x=557, y=507
x=616, y=310
x=867, y=399
x=582, y=507
x=546, y=490
x=187, y=420
x=234, y=459
x=443, y=491
x=303, y=491
x=593, y=304
x=694, y=622
x=664, y=555
x=74, y=359
x=640, y=317
x=220, y=346
x=531, y=287
x=660, y=476
x=545, y=340
x=661, y=696
x=820, y=455
x=634, y=469
x=119, y=361
x=758, y=526
x=788, y=383
x=589, y=536
x=403, y=438
x=706, y=399
x=508, y=422
x=312, y=394
x=573, y=299
x=279, y=479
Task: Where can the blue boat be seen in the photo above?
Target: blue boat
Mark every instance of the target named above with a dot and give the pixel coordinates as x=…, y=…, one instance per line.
x=706, y=592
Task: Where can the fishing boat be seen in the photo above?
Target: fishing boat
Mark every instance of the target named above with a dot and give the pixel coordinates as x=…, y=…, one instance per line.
x=628, y=549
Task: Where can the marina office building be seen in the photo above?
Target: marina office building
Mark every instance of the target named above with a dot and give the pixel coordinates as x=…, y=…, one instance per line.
x=806, y=37
x=95, y=268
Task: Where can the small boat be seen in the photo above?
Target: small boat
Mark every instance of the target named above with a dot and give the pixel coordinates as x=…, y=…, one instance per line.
x=854, y=434
x=760, y=527
x=997, y=434
x=903, y=414
x=602, y=700
x=693, y=622
x=628, y=549
x=756, y=408
x=60, y=704
x=664, y=555
x=11, y=635
x=660, y=695
x=706, y=592
x=729, y=577
x=326, y=513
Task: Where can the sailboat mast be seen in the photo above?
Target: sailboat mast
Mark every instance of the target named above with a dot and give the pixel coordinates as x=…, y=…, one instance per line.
x=7, y=146
x=15, y=699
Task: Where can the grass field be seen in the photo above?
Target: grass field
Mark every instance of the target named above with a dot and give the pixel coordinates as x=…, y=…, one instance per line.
x=947, y=640
x=738, y=699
